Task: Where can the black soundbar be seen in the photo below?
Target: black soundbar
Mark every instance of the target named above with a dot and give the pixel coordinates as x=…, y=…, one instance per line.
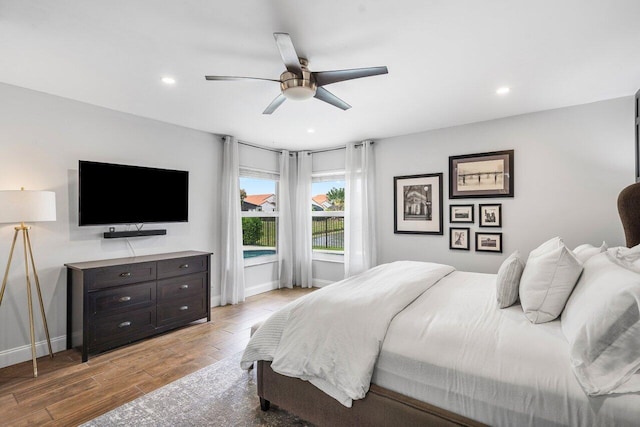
x=136, y=233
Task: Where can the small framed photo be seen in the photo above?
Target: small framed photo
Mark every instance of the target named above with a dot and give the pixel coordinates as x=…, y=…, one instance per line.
x=481, y=175
x=490, y=215
x=459, y=238
x=417, y=204
x=489, y=242
x=461, y=213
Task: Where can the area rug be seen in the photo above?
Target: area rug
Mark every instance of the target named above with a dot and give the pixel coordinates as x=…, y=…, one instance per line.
x=221, y=394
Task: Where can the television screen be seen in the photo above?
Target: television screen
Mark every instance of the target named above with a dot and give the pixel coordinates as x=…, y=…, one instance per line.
x=122, y=194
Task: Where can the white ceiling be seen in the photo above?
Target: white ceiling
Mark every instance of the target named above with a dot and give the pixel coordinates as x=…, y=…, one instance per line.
x=446, y=58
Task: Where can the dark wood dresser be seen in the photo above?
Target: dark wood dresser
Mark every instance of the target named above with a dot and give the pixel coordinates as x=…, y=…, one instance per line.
x=113, y=302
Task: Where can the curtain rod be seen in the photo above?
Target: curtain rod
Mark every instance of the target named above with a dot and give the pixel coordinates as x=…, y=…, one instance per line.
x=259, y=147
x=325, y=150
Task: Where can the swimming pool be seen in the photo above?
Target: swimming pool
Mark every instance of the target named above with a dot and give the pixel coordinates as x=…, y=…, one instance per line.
x=258, y=252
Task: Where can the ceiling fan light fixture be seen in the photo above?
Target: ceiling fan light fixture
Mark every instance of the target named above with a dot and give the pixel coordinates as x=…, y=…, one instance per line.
x=299, y=93
x=297, y=88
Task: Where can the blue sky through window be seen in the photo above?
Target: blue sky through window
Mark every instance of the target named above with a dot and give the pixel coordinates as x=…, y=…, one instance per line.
x=324, y=187
x=257, y=186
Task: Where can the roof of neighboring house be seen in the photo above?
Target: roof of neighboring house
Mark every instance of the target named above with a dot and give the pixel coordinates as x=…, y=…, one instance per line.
x=257, y=199
x=246, y=206
x=320, y=199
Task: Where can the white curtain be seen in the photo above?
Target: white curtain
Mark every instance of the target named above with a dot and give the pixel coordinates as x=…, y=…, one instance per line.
x=286, y=220
x=302, y=233
x=231, y=256
x=360, y=207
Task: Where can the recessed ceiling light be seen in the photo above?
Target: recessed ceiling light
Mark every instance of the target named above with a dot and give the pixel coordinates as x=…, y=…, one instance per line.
x=169, y=80
x=503, y=90
x=311, y=130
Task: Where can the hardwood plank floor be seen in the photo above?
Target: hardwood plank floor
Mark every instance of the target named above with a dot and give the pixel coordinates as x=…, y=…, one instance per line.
x=68, y=392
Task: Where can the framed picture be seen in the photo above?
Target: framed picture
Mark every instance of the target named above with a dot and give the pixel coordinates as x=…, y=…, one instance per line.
x=459, y=238
x=417, y=204
x=489, y=242
x=461, y=213
x=490, y=215
x=481, y=175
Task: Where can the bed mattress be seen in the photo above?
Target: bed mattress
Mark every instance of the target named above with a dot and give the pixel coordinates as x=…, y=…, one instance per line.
x=453, y=348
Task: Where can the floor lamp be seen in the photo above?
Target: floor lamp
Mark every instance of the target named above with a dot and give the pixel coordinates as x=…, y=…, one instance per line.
x=20, y=206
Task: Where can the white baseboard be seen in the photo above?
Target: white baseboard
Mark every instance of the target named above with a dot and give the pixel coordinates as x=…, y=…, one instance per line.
x=258, y=289
x=249, y=292
x=319, y=283
x=215, y=300
x=23, y=353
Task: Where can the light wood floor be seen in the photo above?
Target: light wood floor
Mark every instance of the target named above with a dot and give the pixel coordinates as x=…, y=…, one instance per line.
x=68, y=392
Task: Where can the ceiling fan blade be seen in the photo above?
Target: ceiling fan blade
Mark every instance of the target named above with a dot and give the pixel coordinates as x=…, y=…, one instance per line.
x=324, y=95
x=288, y=53
x=238, y=78
x=274, y=104
x=323, y=78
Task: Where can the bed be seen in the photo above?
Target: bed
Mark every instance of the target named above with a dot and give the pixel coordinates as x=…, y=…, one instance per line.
x=449, y=356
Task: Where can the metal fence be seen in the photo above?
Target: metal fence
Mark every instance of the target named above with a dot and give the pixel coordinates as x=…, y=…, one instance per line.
x=259, y=231
x=328, y=233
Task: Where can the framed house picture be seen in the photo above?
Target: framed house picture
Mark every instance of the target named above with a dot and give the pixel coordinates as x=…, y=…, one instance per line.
x=481, y=175
x=461, y=213
x=489, y=242
x=417, y=204
x=459, y=238
x=490, y=215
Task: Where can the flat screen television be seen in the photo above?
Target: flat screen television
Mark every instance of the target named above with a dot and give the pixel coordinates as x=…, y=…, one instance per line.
x=124, y=194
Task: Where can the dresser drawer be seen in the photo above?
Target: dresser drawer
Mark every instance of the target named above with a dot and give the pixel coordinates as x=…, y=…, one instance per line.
x=122, y=274
x=121, y=327
x=181, y=310
x=182, y=266
x=127, y=297
x=193, y=285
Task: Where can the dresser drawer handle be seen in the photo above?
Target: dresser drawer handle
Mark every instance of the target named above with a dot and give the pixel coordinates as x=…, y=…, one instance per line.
x=184, y=307
x=184, y=266
x=124, y=324
x=184, y=286
x=127, y=274
x=125, y=299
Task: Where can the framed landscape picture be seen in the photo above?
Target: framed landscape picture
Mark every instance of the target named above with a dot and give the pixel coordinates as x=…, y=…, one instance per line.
x=489, y=242
x=459, y=238
x=490, y=215
x=461, y=213
x=481, y=175
x=417, y=204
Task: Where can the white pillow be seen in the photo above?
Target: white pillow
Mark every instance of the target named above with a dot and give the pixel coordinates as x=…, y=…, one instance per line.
x=586, y=251
x=602, y=324
x=627, y=257
x=508, y=280
x=549, y=276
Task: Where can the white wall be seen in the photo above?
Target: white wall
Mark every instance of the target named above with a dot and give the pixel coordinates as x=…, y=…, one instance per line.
x=42, y=137
x=570, y=165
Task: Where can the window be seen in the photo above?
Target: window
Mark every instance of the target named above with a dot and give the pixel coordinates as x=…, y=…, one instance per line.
x=259, y=206
x=327, y=205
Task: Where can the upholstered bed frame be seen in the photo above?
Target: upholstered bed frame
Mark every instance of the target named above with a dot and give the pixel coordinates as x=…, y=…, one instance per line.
x=382, y=407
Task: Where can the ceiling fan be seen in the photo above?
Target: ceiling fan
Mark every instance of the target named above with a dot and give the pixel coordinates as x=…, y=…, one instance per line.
x=298, y=83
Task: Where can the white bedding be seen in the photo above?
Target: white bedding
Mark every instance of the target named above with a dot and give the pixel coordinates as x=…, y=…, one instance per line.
x=455, y=349
x=451, y=347
x=332, y=337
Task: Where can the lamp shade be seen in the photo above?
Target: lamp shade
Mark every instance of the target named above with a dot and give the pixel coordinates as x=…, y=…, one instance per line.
x=27, y=206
